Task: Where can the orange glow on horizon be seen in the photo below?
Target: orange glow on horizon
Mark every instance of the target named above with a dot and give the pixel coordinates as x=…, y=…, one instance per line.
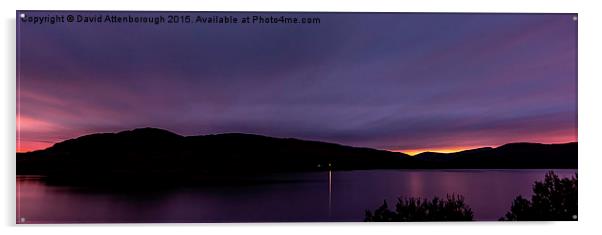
x=552, y=137
x=26, y=124
x=32, y=146
x=451, y=149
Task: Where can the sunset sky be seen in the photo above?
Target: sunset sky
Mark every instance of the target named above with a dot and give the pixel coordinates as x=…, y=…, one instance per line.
x=401, y=82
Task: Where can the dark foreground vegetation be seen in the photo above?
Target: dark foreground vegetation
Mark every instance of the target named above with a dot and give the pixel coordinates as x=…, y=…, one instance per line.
x=554, y=199
x=451, y=208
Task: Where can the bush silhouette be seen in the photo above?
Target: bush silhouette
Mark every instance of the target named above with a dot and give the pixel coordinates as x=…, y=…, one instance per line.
x=452, y=208
x=553, y=199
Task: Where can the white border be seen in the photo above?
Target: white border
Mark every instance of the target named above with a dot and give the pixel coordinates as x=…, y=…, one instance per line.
x=589, y=115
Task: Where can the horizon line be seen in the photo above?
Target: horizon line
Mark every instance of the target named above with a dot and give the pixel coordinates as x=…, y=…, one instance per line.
x=410, y=152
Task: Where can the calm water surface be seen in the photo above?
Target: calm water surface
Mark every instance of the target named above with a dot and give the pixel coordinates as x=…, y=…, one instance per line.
x=316, y=196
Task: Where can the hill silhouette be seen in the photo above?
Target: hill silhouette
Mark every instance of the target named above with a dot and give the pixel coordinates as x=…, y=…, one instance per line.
x=508, y=156
x=157, y=153
x=150, y=153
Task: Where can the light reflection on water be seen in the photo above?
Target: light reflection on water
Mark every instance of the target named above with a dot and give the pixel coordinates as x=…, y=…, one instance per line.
x=315, y=196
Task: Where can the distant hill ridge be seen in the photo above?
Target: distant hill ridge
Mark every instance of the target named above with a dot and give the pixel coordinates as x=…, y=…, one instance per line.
x=513, y=155
x=157, y=153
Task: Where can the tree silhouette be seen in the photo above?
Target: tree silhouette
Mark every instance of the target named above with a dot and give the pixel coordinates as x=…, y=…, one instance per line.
x=452, y=208
x=553, y=199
